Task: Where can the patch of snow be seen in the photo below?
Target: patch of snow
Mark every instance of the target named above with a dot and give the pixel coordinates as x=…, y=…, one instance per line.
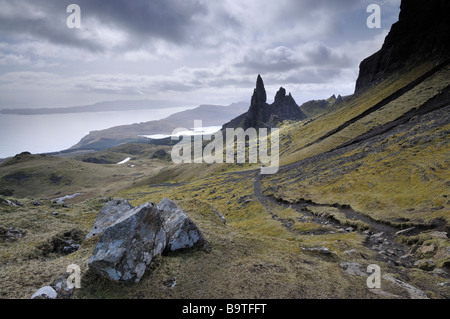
x=124, y=161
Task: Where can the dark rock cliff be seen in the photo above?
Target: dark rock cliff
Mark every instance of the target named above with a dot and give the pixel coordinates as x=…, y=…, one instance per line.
x=421, y=34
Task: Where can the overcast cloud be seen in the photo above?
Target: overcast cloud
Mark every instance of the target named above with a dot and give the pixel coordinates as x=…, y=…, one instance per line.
x=199, y=51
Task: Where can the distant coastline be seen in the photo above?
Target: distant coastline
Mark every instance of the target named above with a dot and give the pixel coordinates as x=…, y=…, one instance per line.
x=107, y=106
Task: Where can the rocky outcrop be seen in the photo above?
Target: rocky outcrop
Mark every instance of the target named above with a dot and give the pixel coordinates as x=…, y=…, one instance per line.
x=421, y=34
x=128, y=245
x=161, y=154
x=181, y=232
x=283, y=108
x=109, y=213
x=58, y=289
x=62, y=243
x=261, y=114
x=315, y=107
x=10, y=234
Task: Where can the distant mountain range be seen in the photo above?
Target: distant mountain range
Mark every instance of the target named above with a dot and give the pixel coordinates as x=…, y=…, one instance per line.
x=107, y=106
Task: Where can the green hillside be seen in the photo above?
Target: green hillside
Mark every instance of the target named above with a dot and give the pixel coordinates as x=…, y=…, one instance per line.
x=378, y=163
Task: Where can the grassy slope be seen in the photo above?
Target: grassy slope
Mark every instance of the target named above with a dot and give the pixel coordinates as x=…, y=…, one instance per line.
x=256, y=254
x=404, y=175
x=298, y=136
x=316, y=107
x=47, y=177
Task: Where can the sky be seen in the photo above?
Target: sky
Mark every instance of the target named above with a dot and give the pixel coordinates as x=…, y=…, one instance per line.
x=197, y=51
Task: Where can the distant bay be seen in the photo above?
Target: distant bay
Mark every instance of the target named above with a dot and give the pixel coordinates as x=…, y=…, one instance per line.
x=46, y=133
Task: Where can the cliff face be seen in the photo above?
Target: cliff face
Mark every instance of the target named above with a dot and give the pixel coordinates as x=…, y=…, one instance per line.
x=421, y=34
x=261, y=114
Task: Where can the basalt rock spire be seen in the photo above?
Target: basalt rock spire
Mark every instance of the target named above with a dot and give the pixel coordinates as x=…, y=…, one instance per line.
x=255, y=114
x=261, y=114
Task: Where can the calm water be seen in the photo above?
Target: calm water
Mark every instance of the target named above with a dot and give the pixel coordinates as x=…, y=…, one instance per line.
x=56, y=132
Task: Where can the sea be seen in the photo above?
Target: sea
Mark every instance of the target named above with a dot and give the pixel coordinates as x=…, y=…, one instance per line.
x=48, y=133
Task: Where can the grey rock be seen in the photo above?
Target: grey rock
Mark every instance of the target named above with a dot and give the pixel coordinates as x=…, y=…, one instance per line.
x=425, y=264
x=439, y=234
x=440, y=272
x=171, y=282
x=70, y=246
x=129, y=244
x=15, y=203
x=426, y=249
x=350, y=252
x=243, y=199
x=349, y=229
x=222, y=218
x=404, y=231
x=181, y=232
x=353, y=269
x=390, y=252
x=14, y=233
x=45, y=292
x=413, y=292
x=376, y=236
x=62, y=289
x=109, y=213
x=10, y=234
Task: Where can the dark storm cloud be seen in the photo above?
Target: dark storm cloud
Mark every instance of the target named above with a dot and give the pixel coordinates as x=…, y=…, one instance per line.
x=44, y=20
x=170, y=20
x=140, y=20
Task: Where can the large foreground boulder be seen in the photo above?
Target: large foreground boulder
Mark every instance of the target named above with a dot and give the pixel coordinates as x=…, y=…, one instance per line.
x=128, y=245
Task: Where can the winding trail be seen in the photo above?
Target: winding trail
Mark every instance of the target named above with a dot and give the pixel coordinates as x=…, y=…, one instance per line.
x=301, y=206
x=380, y=237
